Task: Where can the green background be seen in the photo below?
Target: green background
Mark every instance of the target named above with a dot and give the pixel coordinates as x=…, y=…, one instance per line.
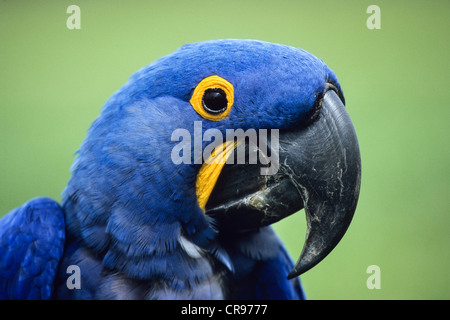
x=53, y=82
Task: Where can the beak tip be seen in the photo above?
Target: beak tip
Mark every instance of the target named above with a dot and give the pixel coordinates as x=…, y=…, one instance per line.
x=303, y=264
x=293, y=273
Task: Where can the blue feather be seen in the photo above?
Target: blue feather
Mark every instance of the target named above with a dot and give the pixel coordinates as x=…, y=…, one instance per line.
x=31, y=245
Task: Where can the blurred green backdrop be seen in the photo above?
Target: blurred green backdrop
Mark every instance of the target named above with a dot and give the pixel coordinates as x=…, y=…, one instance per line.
x=53, y=82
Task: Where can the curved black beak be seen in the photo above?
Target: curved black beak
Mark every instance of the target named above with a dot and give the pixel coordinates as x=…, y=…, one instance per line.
x=319, y=170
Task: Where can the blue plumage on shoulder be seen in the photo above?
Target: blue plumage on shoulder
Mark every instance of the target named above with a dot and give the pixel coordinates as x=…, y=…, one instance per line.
x=31, y=245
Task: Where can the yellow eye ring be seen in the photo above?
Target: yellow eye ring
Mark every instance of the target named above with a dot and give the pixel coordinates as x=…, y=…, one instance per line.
x=213, y=98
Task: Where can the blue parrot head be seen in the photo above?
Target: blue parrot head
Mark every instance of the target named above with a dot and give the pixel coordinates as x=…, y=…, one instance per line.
x=140, y=180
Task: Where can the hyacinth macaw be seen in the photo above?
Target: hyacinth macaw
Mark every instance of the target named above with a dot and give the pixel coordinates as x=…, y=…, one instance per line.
x=134, y=223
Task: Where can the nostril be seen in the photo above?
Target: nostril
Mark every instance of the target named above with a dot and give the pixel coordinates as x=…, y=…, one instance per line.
x=331, y=85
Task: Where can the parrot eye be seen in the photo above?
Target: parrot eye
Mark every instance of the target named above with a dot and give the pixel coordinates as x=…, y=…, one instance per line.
x=213, y=98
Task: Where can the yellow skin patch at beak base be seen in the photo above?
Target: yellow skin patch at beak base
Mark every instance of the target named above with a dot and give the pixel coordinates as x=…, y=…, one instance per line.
x=210, y=172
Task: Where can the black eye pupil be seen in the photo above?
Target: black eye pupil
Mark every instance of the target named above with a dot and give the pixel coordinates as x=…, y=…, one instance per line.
x=215, y=100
